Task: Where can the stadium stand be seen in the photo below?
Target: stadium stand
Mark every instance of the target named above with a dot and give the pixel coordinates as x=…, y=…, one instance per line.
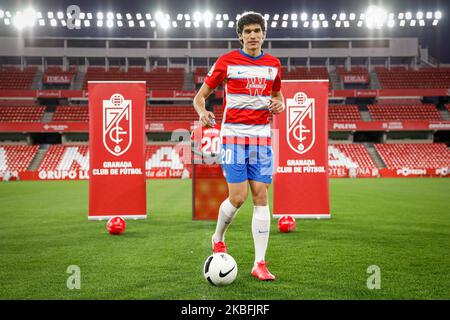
x=65, y=157
x=427, y=78
x=404, y=112
x=200, y=71
x=163, y=156
x=157, y=79
x=58, y=70
x=76, y=157
x=21, y=113
x=71, y=113
x=12, y=77
x=171, y=113
x=304, y=73
x=167, y=107
x=415, y=156
x=16, y=157
x=17, y=102
x=350, y=156
x=344, y=113
x=384, y=101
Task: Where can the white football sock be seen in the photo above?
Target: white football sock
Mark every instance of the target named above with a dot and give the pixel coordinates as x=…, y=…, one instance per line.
x=260, y=231
x=226, y=214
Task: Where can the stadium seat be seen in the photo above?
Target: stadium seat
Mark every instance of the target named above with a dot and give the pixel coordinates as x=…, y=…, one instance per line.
x=171, y=113
x=344, y=113
x=397, y=101
x=424, y=78
x=76, y=157
x=65, y=158
x=16, y=158
x=318, y=73
x=350, y=156
x=414, y=156
x=12, y=78
x=71, y=113
x=157, y=79
x=21, y=113
x=404, y=112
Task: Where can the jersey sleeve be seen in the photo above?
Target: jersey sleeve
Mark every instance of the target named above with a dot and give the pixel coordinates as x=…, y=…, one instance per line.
x=277, y=82
x=216, y=74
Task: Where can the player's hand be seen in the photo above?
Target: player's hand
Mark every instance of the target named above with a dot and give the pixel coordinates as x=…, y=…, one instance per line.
x=208, y=119
x=276, y=106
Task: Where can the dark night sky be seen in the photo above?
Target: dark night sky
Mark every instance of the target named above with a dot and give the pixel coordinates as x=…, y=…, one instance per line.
x=435, y=38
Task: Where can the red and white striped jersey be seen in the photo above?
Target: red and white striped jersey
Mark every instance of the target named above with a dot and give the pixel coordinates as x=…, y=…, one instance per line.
x=248, y=83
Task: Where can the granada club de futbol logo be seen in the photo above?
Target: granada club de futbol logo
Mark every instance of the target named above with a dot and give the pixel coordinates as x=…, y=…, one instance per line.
x=117, y=126
x=256, y=85
x=300, y=131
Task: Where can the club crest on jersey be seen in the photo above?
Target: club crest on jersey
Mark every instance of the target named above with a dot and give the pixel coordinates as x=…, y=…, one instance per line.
x=117, y=126
x=300, y=122
x=256, y=86
x=270, y=74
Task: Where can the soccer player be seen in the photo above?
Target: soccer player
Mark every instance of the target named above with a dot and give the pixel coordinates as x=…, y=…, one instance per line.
x=252, y=83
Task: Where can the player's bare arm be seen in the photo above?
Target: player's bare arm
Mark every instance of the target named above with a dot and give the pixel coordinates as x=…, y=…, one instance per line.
x=276, y=103
x=199, y=105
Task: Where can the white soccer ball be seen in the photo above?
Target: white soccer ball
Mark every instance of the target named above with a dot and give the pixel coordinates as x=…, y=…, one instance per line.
x=220, y=269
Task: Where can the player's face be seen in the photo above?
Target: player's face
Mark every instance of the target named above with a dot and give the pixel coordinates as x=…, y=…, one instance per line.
x=253, y=37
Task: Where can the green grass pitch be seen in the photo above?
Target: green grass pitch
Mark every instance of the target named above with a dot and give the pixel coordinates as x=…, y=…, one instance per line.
x=400, y=225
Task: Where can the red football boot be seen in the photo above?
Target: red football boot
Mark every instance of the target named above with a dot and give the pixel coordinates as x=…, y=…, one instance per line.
x=219, y=246
x=261, y=272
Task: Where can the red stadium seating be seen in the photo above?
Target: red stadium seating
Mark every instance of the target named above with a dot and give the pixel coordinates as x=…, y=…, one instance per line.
x=448, y=107
x=392, y=69
x=414, y=156
x=71, y=113
x=157, y=79
x=21, y=113
x=17, y=102
x=59, y=69
x=153, y=113
x=425, y=78
x=200, y=71
x=344, y=113
x=404, y=112
x=76, y=157
x=171, y=113
x=350, y=156
x=303, y=73
x=399, y=101
x=61, y=157
x=165, y=156
x=16, y=158
x=12, y=78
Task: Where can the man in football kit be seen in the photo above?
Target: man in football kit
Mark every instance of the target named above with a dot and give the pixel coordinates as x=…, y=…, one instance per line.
x=252, y=83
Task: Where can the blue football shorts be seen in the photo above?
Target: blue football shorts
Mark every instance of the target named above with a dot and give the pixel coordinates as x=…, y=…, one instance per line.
x=246, y=162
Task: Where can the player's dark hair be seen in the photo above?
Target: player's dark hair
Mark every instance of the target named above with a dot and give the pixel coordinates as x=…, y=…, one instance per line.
x=250, y=18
